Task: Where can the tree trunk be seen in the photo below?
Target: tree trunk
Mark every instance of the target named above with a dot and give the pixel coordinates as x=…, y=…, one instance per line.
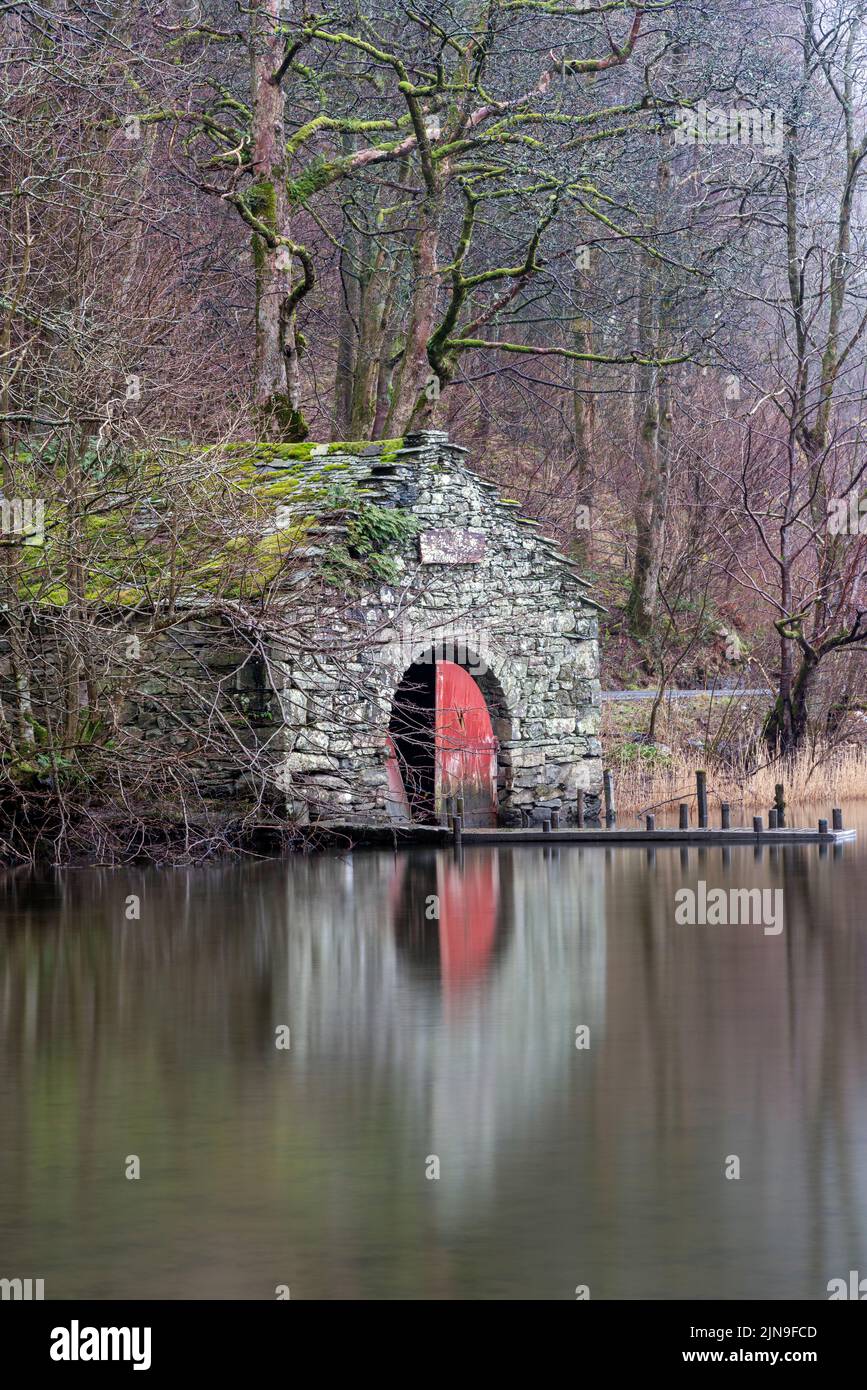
x=653, y=437
x=787, y=724
x=416, y=392
x=276, y=372
x=653, y=433
x=583, y=421
x=387, y=362
x=347, y=325
x=372, y=317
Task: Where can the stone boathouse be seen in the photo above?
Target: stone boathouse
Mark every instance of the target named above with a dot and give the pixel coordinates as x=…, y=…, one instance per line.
x=472, y=669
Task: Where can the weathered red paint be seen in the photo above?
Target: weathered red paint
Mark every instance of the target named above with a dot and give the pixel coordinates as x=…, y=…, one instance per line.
x=465, y=749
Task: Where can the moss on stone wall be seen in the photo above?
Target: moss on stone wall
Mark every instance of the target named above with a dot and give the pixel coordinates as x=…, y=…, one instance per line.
x=229, y=527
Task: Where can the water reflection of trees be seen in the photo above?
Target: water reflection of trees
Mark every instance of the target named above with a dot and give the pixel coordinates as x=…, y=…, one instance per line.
x=754, y=1045
x=414, y=1035
x=157, y=1036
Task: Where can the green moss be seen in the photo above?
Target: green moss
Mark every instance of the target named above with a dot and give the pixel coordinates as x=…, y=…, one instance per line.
x=318, y=174
x=262, y=202
x=150, y=532
x=280, y=416
x=267, y=452
x=372, y=534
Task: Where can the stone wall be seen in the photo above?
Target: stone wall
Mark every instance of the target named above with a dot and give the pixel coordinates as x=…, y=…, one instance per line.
x=298, y=717
x=501, y=601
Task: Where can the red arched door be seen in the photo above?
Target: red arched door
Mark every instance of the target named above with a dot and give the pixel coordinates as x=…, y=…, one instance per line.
x=465, y=749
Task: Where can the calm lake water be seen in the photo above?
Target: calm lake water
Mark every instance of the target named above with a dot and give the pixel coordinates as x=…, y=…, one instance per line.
x=414, y=1038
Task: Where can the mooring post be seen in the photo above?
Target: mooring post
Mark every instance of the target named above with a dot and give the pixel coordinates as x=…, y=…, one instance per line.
x=837, y=818
x=579, y=809
x=823, y=827
x=450, y=810
x=555, y=820
x=701, y=797
x=459, y=807
x=546, y=825
x=684, y=816
x=650, y=823
x=780, y=805
x=725, y=815
x=758, y=824
x=610, y=809
x=772, y=818
x=457, y=828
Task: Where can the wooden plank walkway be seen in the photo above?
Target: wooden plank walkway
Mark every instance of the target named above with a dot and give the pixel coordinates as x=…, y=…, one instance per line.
x=599, y=836
x=594, y=835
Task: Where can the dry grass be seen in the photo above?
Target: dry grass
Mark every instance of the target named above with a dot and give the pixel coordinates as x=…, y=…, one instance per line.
x=647, y=780
x=839, y=778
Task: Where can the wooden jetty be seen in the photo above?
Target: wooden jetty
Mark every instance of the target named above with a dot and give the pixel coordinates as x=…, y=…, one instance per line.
x=436, y=835
x=547, y=829
x=694, y=836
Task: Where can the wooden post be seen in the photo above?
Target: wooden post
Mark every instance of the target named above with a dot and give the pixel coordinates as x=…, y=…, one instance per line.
x=725, y=812
x=758, y=824
x=546, y=825
x=579, y=809
x=780, y=805
x=610, y=809
x=837, y=818
x=457, y=828
x=823, y=827
x=459, y=807
x=772, y=818
x=684, y=816
x=555, y=820
x=650, y=823
x=450, y=811
x=701, y=797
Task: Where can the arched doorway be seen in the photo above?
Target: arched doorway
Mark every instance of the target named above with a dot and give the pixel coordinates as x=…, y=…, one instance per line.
x=441, y=744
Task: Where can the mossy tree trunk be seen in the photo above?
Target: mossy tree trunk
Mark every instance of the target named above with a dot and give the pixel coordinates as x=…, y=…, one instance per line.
x=348, y=312
x=276, y=370
x=787, y=724
x=417, y=387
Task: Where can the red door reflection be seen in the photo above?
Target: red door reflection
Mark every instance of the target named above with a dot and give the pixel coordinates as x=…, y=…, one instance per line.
x=468, y=919
x=458, y=940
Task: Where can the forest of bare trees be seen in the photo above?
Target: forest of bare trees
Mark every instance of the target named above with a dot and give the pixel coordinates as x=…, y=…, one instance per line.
x=615, y=249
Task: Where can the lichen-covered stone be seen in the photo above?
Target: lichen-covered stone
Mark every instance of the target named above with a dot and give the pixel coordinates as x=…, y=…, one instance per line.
x=515, y=615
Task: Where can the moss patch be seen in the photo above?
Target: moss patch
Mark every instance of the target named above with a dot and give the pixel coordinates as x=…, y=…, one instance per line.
x=217, y=522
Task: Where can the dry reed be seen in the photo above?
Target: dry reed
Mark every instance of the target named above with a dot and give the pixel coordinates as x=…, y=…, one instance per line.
x=834, y=777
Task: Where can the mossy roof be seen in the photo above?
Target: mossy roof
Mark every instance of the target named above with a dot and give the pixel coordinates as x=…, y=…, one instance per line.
x=233, y=520
x=231, y=529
